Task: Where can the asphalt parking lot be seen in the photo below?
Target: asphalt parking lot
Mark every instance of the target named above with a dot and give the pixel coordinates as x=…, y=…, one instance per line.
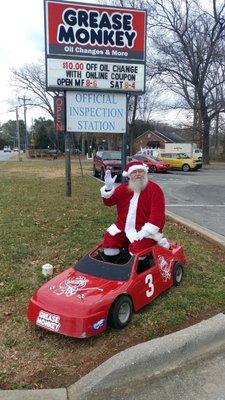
x=198, y=196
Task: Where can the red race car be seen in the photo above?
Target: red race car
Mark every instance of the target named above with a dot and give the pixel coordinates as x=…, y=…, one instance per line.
x=94, y=294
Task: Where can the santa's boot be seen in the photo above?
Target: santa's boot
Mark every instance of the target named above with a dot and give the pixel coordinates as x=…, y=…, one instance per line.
x=111, y=255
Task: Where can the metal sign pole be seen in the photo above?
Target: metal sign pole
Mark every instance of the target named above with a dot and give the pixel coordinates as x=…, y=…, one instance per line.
x=124, y=143
x=67, y=156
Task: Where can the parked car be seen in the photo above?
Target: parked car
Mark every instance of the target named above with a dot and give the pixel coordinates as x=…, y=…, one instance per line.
x=15, y=149
x=94, y=294
x=7, y=148
x=107, y=159
x=154, y=164
x=181, y=161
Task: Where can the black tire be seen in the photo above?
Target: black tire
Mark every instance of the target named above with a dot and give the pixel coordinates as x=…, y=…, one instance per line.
x=152, y=169
x=186, y=168
x=102, y=174
x=120, y=312
x=95, y=173
x=178, y=272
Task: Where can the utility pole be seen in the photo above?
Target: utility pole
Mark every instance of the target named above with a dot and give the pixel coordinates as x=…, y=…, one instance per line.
x=18, y=133
x=24, y=99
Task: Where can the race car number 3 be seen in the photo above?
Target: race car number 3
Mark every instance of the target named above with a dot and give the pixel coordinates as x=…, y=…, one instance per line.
x=149, y=282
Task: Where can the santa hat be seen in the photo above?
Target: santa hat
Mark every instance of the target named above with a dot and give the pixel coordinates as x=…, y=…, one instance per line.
x=133, y=166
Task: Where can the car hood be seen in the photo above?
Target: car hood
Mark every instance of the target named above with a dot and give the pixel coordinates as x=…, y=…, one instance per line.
x=71, y=289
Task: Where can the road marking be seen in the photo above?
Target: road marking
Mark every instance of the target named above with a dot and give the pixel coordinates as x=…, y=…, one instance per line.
x=176, y=180
x=195, y=205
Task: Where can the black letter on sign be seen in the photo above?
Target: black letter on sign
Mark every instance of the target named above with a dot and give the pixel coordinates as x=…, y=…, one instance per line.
x=65, y=36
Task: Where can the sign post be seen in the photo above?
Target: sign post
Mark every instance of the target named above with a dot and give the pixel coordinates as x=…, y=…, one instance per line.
x=68, y=164
x=124, y=144
x=60, y=127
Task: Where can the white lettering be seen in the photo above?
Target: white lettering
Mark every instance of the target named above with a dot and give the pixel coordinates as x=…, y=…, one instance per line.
x=49, y=321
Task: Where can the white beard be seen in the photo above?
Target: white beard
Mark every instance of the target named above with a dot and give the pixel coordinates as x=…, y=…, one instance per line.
x=137, y=185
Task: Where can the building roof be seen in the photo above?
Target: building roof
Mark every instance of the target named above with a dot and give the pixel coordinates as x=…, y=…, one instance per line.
x=165, y=136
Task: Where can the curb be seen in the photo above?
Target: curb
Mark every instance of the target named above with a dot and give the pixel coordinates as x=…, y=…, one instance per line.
x=36, y=394
x=206, y=233
x=149, y=359
x=145, y=360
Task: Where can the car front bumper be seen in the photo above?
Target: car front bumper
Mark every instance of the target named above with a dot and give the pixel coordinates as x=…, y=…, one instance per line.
x=67, y=323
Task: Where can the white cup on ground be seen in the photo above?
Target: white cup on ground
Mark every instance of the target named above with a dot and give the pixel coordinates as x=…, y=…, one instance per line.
x=47, y=269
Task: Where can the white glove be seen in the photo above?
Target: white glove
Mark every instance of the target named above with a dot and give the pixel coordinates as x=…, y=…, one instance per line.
x=164, y=243
x=142, y=234
x=132, y=236
x=109, y=181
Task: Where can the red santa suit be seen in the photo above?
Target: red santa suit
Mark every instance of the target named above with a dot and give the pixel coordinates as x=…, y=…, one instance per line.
x=136, y=212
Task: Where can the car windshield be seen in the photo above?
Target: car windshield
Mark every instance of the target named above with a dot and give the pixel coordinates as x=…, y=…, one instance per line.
x=140, y=157
x=102, y=269
x=111, y=155
x=154, y=158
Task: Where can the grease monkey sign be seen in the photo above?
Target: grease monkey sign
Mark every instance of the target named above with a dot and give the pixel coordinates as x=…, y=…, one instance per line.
x=94, y=47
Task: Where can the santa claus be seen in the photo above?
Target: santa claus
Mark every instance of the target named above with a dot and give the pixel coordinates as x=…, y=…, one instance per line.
x=140, y=211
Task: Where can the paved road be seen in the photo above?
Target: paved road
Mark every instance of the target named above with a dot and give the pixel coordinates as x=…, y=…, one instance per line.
x=198, y=196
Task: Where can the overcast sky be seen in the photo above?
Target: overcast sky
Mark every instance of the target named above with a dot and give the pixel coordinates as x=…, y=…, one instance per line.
x=21, y=41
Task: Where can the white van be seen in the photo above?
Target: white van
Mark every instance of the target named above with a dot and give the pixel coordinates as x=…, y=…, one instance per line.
x=7, y=148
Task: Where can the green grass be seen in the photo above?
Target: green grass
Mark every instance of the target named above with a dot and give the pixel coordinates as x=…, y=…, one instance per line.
x=39, y=224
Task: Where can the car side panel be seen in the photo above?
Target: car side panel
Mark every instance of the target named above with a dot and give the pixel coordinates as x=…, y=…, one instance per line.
x=147, y=286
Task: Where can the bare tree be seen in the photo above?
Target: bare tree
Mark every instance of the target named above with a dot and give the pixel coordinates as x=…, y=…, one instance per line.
x=31, y=79
x=139, y=106
x=188, y=45
x=125, y=3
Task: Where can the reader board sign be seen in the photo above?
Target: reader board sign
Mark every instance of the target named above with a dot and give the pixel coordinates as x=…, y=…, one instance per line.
x=108, y=76
x=95, y=31
x=96, y=112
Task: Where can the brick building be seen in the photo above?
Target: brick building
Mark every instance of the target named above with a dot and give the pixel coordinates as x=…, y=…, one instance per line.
x=156, y=140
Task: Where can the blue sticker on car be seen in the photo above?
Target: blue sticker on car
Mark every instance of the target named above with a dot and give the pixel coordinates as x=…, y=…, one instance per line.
x=99, y=324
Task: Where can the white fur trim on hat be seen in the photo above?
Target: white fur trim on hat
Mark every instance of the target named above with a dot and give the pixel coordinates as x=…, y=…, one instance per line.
x=135, y=168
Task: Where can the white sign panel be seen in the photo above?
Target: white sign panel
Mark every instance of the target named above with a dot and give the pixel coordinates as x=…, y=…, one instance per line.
x=108, y=76
x=96, y=112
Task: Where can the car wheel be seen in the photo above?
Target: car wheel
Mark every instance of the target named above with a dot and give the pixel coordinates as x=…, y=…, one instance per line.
x=95, y=173
x=152, y=169
x=185, y=168
x=120, y=312
x=102, y=174
x=177, y=273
